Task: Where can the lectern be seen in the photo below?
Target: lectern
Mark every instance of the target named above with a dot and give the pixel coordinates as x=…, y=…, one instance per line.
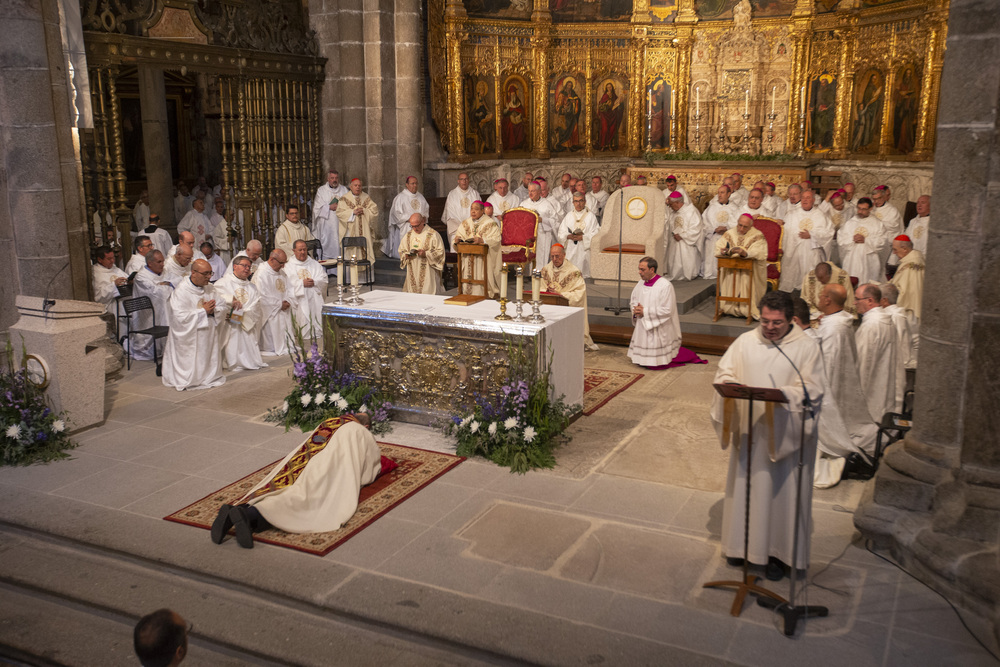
x=474, y=254
x=737, y=266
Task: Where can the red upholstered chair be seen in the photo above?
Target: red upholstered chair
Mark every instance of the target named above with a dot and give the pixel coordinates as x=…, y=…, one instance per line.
x=518, y=234
x=774, y=233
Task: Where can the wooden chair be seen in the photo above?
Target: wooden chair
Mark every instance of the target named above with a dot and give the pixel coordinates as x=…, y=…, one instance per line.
x=824, y=181
x=774, y=234
x=156, y=331
x=476, y=252
x=518, y=236
x=364, y=263
x=736, y=266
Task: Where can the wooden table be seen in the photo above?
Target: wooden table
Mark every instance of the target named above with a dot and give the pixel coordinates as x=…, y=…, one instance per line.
x=736, y=265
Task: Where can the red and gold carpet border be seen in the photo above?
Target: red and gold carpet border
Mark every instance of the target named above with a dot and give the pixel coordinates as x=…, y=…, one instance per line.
x=600, y=386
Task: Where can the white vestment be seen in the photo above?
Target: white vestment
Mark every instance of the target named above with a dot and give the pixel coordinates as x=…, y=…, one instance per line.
x=755, y=244
x=325, y=493
x=567, y=281
x=135, y=263
x=423, y=274
x=812, y=288
x=147, y=283
x=174, y=272
x=326, y=224
x=739, y=197
x=909, y=278
x=557, y=207
x=308, y=300
x=754, y=361
x=548, y=223
x=876, y=343
x=684, y=256
x=578, y=252
x=198, y=224
x=862, y=260
x=404, y=205
x=656, y=337
x=218, y=266
x=361, y=224
x=276, y=324
x=892, y=226
x=564, y=196
x=196, y=253
x=802, y=255
x=687, y=198
x=105, y=290
x=918, y=230
x=471, y=266
x=457, y=208
x=243, y=253
x=502, y=204
x=904, y=351
x=785, y=208
x=140, y=216
x=288, y=233
x=239, y=334
x=161, y=240
x=596, y=202
x=220, y=238
x=521, y=192
x=191, y=359
x=770, y=205
x=715, y=215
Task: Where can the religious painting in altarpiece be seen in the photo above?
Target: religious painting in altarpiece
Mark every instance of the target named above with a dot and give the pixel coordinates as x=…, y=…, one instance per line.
x=822, y=112
x=499, y=9
x=611, y=113
x=515, y=133
x=866, y=119
x=905, y=108
x=565, y=113
x=723, y=9
x=658, y=107
x=480, y=126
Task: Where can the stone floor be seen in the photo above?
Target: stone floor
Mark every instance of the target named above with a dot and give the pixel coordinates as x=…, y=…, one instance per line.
x=600, y=560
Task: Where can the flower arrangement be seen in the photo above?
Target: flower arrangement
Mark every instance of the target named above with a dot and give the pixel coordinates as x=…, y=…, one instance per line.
x=321, y=392
x=519, y=427
x=31, y=431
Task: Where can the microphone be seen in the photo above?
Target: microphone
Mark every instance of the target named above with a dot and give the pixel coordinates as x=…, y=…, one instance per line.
x=806, y=401
x=46, y=302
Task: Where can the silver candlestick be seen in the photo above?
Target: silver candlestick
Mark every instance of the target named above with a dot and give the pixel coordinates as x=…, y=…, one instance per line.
x=341, y=268
x=770, y=131
x=697, y=132
x=802, y=134
x=355, y=299
x=518, y=317
x=536, y=315
x=746, y=133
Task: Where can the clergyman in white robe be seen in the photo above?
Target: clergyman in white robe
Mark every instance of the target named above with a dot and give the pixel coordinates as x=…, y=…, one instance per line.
x=240, y=332
x=309, y=299
x=154, y=285
x=548, y=222
x=717, y=214
x=876, y=343
x=276, y=317
x=481, y=229
x=683, y=235
x=326, y=224
x=801, y=255
x=567, y=281
x=421, y=253
x=191, y=359
x=861, y=241
x=106, y=277
x=406, y=203
x=458, y=204
x=578, y=222
x=656, y=334
x=749, y=245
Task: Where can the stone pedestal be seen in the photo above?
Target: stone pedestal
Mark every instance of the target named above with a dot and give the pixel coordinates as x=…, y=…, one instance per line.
x=61, y=336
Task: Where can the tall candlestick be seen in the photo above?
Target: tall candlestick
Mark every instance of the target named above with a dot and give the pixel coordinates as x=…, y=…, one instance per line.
x=354, y=270
x=536, y=283
x=746, y=103
x=802, y=100
x=503, y=281
x=697, y=101
x=774, y=90
x=520, y=283
x=340, y=270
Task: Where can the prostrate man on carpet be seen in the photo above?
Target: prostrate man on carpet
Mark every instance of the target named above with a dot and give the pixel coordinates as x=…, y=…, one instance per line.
x=656, y=336
x=876, y=343
x=576, y=231
x=312, y=490
x=357, y=213
x=307, y=282
x=683, y=238
x=458, y=205
x=826, y=273
x=755, y=360
x=846, y=427
x=748, y=242
x=326, y=224
x=191, y=359
x=421, y=253
x=561, y=277
x=406, y=203
x=481, y=229
x=276, y=305
x=239, y=336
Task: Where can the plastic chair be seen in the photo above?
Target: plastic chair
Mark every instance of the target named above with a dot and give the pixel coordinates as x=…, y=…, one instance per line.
x=364, y=264
x=156, y=331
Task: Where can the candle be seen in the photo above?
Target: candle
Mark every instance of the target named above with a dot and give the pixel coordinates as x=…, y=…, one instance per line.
x=774, y=90
x=697, y=101
x=520, y=283
x=354, y=269
x=802, y=100
x=340, y=270
x=746, y=103
x=536, y=283
x=503, y=281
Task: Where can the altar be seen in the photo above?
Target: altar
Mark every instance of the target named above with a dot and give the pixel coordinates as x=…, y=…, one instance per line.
x=433, y=358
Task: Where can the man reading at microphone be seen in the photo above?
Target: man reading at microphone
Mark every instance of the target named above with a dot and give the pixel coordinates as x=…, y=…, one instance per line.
x=779, y=355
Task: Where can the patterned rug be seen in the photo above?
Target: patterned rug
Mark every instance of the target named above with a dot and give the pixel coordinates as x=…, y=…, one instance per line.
x=417, y=468
x=600, y=386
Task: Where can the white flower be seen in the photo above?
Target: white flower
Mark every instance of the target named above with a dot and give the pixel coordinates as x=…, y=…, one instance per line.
x=284, y=406
x=465, y=422
x=14, y=431
x=529, y=433
x=58, y=426
x=493, y=428
x=341, y=403
x=320, y=397
x=510, y=422
x=306, y=399
x=473, y=427
x=363, y=408
x=333, y=398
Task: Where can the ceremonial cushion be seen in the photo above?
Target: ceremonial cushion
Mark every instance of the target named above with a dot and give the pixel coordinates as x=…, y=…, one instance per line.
x=388, y=465
x=627, y=248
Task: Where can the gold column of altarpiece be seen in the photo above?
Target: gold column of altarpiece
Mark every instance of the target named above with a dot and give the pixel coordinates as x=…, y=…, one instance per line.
x=886, y=58
x=268, y=112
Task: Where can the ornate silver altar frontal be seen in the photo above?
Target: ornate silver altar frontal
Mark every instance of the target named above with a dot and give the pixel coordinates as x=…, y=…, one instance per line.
x=431, y=366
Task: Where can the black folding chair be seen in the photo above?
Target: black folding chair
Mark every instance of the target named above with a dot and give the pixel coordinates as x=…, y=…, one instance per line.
x=364, y=262
x=315, y=248
x=124, y=292
x=156, y=331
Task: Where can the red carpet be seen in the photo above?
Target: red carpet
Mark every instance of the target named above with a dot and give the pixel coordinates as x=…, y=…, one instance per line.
x=600, y=386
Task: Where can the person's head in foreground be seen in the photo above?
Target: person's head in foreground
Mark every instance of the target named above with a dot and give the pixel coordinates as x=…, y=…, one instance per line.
x=160, y=639
x=776, y=312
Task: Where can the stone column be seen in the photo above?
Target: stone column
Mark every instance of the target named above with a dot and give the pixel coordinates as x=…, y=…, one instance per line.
x=935, y=502
x=41, y=216
x=409, y=104
x=156, y=144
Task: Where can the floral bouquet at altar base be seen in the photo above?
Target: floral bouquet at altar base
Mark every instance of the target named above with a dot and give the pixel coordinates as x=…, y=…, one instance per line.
x=519, y=427
x=31, y=431
x=321, y=392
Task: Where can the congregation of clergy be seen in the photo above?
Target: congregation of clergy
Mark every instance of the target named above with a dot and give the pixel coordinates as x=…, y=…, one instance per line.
x=228, y=310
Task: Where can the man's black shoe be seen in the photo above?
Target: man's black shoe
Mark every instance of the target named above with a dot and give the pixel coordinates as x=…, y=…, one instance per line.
x=222, y=524
x=241, y=522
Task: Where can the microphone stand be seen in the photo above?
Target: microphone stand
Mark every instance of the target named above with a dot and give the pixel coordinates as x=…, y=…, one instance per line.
x=619, y=309
x=789, y=610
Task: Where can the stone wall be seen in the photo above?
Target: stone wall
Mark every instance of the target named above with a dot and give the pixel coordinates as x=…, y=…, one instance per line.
x=41, y=218
x=935, y=503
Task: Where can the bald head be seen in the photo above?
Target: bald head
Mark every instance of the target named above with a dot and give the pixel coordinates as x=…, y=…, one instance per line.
x=832, y=298
x=277, y=255
x=183, y=255
x=201, y=272
x=823, y=272
x=186, y=238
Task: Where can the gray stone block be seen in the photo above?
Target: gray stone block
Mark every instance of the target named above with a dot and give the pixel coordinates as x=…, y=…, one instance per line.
x=25, y=96
x=982, y=395
x=895, y=490
x=21, y=9
x=408, y=7
x=964, y=97
x=352, y=64
x=967, y=17
x=408, y=62
x=40, y=223
x=351, y=26
x=948, y=283
x=29, y=151
x=940, y=384
x=23, y=44
x=962, y=161
x=408, y=29
x=987, y=288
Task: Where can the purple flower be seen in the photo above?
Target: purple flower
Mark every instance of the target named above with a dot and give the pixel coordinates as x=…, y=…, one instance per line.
x=299, y=369
x=41, y=436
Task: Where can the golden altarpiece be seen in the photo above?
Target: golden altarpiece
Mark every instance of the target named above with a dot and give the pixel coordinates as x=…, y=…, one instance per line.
x=854, y=79
x=254, y=64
